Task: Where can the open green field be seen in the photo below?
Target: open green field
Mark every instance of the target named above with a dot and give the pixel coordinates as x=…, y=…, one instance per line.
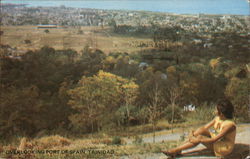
x=71, y=37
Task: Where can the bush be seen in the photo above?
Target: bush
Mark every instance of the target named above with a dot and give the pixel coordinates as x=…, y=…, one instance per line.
x=102, y=141
x=52, y=141
x=138, y=140
x=178, y=114
x=116, y=140
x=183, y=137
x=237, y=91
x=156, y=149
x=120, y=116
x=80, y=32
x=142, y=115
x=27, y=41
x=204, y=113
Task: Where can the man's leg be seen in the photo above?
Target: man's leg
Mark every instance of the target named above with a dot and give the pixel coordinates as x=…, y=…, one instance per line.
x=205, y=134
x=200, y=131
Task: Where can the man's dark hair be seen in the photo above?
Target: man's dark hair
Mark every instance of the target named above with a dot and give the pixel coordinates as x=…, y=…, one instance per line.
x=226, y=108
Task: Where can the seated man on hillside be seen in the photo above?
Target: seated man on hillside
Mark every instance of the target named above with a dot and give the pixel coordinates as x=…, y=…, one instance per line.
x=221, y=140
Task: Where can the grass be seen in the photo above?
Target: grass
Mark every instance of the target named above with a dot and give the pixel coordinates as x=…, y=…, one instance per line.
x=57, y=147
x=91, y=146
x=64, y=38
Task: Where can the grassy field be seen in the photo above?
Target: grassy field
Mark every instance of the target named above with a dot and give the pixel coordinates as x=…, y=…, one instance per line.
x=71, y=37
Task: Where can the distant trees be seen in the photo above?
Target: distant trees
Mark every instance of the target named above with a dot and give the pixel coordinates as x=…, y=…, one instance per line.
x=113, y=24
x=168, y=33
x=123, y=29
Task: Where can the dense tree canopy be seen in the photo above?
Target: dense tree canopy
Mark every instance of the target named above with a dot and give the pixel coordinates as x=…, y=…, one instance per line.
x=88, y=91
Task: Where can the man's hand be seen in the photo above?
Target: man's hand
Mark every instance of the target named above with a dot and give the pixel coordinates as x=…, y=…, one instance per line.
x=194, y=140
x=191, y=134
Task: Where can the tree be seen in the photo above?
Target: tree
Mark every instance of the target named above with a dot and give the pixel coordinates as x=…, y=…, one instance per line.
x=130, y=91
x=46, y=31
x=70, y=54
x=175, y=93
x=237, y=90
x=20, y=112
x=92, y=60
x=97, y=97
x=172, y=34
x=109, y=63
x=155, y=109
x=27, y=41
x=113, y=24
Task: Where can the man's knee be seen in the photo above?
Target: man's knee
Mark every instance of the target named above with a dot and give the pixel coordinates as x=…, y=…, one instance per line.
x=198, y=131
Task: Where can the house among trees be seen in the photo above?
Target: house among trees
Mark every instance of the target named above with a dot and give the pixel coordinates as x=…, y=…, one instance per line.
x=189, y=108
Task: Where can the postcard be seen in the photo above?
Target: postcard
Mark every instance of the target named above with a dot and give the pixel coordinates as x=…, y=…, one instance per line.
x=124, y=79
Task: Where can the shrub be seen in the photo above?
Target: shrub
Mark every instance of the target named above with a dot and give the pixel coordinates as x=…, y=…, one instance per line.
x=116, y=140
x=102, y=141
x=27, y=41
x=156, y=149
x=138, y=140
x=80, y=32
x=237, y=91
x=183, y=137
x=46, y=31
x=203, y=113
x=178, y=114
x=52, y=141
x=23, y=143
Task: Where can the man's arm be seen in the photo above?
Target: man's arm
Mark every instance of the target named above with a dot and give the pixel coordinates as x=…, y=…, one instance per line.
x=203, y=128
x=225, y=130
x=210, y=124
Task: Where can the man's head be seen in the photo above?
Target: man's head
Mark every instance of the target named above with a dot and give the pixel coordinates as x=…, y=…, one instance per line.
x=225, y=108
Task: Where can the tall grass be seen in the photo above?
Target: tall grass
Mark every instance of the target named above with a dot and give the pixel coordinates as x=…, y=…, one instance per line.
x=202, y=114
